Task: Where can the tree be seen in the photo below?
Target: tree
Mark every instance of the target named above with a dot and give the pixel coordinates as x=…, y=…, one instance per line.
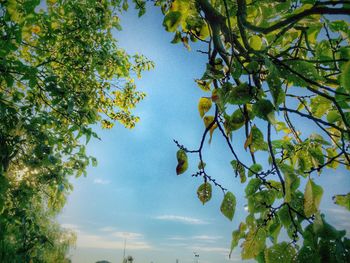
x=61, y=73
x=272, y=67
x=130, y=259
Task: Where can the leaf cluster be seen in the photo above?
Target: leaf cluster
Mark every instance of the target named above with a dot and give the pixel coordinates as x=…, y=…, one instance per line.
x=273, y=68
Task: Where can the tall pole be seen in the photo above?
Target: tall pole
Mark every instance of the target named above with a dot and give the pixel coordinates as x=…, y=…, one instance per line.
x=124, y=248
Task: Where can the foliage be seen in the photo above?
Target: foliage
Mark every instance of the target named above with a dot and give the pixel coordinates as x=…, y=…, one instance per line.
x=274, y=66
x=61, y=72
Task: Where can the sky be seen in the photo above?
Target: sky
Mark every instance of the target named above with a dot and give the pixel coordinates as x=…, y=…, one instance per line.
x=134, y=194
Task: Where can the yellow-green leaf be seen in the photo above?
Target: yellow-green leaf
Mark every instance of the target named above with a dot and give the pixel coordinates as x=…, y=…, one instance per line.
x=208, y=120
x=204, y=192
x=182, y=162
x=228, y=205
x=204, y=106
x=282, y=252
x=345, y=76
x=203, y=84
x=172, y=20
x=342, y=200
x=237, y=235
x=312, y=198
x=255, y=42
x=254, y=243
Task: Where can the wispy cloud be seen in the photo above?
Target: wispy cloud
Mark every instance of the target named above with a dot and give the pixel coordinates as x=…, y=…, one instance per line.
x=86, y=240
x=339, y=217
x=177, y=238
x=127, y=235
x=108, y=229
x=209, y=249
x=202, y=238
x=207, y=238
x=108, y=239
x=182, y=219
x=101, y=181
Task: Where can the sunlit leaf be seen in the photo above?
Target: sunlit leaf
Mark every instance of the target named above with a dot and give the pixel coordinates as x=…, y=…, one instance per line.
x=204, y=192
x=182, y=162
x=228, y=205
x=254, y=243
x=342, y=200
x=312, y=198
x=172, y=20
x=204, y=106
x=255, y=42
x=345, y=76
x=282, y=252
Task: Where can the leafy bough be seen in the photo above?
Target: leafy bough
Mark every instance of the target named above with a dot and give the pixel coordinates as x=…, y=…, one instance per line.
x=272, y=68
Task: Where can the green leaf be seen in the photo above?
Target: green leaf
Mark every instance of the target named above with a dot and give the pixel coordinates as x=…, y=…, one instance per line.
x=274, y=230
x=312, y=198
x=228, y=205
x=93, y=161
x=339, y=25
x=333, y=116
x=204, y=192
x=305, y=69
x=237, y=235
x=284, y=216
x=324, y=50
x=331, y=153
x=276, y=90
x=255, y=42
x=252, y=186
x=257, y=139
x=241, y=94
x=172, y=20
x=319, y=106
x=182, y=162
x=263, y=109
x=342, y=200
x=255, y=168
x=254, y=243
x=317, y=156
x=283, y=252
x=239, y=170
x=236, y=120
x=342, y=100
x=177, y=38
x=257, y=202
x=292, y=183
x=345, y=76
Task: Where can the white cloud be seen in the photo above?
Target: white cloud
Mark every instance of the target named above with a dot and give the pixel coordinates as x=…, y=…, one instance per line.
x=338, y=210
x=209, y=249
x=182, y=219
x=127, y=235
x=177, y=238
x=86, y=240
x=207, y=238
x=109, y=239
x=101, y=181
x=204, y=238
x=107, y=229
x=339, y=218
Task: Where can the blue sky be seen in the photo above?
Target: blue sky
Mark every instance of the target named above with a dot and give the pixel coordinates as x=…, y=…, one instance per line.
x=135, y=193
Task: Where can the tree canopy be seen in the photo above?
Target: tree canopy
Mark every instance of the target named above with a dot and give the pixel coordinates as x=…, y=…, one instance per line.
x=61, y=72
x=273, y=67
